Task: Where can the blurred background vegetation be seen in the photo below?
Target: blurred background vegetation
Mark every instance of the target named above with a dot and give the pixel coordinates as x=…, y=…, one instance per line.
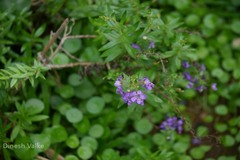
x=74, y=112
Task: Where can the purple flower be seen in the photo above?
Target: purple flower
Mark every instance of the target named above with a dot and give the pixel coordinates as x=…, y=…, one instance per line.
x=172, y=123
x=196, y=141
x=203, y=68
x=214, y=86
x=138, y=97
x=185, y=64
x=189, y=85
x=127, y=97
x=147, y=83
x=187, y=76
x=135, y=46
x=151, y=45
x=201, y=88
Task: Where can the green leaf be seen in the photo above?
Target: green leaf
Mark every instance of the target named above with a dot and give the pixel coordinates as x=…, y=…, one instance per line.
x=154, y=100
x=38, y=118
x=89, y=142
x=181, y=147
x=71, y=157
x=66, y=91
x=15, y=132
x=95, y=105
x=60, y=58
x=129, y=50
x=96, y=131
x=74, y=115
x=228, y=141
x=40, y=30
x=58, y=134
x=84, y=152
x=31, y=79
x=13, y=82
x=74, y=79
x=25, y=150
x=72, y=141
x=143, y=126
x=72, y=45
x=109, y=45
x=34, y=106
x=221, y=110
x=42, y=141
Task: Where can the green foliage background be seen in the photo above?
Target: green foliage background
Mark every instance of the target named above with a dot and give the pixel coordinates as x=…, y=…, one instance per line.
x=75, y=111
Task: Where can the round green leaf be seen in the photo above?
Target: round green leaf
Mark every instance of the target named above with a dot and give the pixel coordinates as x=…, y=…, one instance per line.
x=143, y=126
x=229, y=64
x=235, y=26
x=221, y=110
x=85, y=90
x=212, y=98
x=66, y=91
x=210, y=21
x=228, y=141
x=89, y=142
x=74, y=115
x=85, y=152
x=197, y=153
x=159, y=139
x=180, y=147
x=192, y=20
x=107, y=97
x=60, y=58
x=74, y=79
x=96, y=131
x=63, y=108
x=82, y=126
x=71, y=157
x=58, y=134
x=34, y=106
x=202, y=131
x=72, y=45
x=24, y=148
x=43, y=141
x=95, y=105
x=72, y=141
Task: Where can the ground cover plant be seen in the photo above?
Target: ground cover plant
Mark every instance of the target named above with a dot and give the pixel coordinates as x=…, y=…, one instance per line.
x=120, y=80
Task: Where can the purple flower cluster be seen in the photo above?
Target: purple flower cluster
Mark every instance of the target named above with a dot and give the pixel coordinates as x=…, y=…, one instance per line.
x=198, y=80
x=146, y=83
x=172, y=123
x=130, y=97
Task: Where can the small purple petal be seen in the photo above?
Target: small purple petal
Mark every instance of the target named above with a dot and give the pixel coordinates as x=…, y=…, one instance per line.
x=203, y=68
x=189, y=85
x=135, y=46
x=214, y=86
x=185, y=64
x=151, y=45
x=187, y=76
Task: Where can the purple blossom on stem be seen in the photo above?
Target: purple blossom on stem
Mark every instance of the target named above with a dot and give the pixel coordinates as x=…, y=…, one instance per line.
x=151, y=45
x=147, y=83
x=135, y=46
x=187, y=76
x=196, y=141
x=130, y=97
x=185, y=64
x=190, y=85
x=201, y=88
x=138, y=97
x=203, y=68
x=172, y=123
x=214, y=86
